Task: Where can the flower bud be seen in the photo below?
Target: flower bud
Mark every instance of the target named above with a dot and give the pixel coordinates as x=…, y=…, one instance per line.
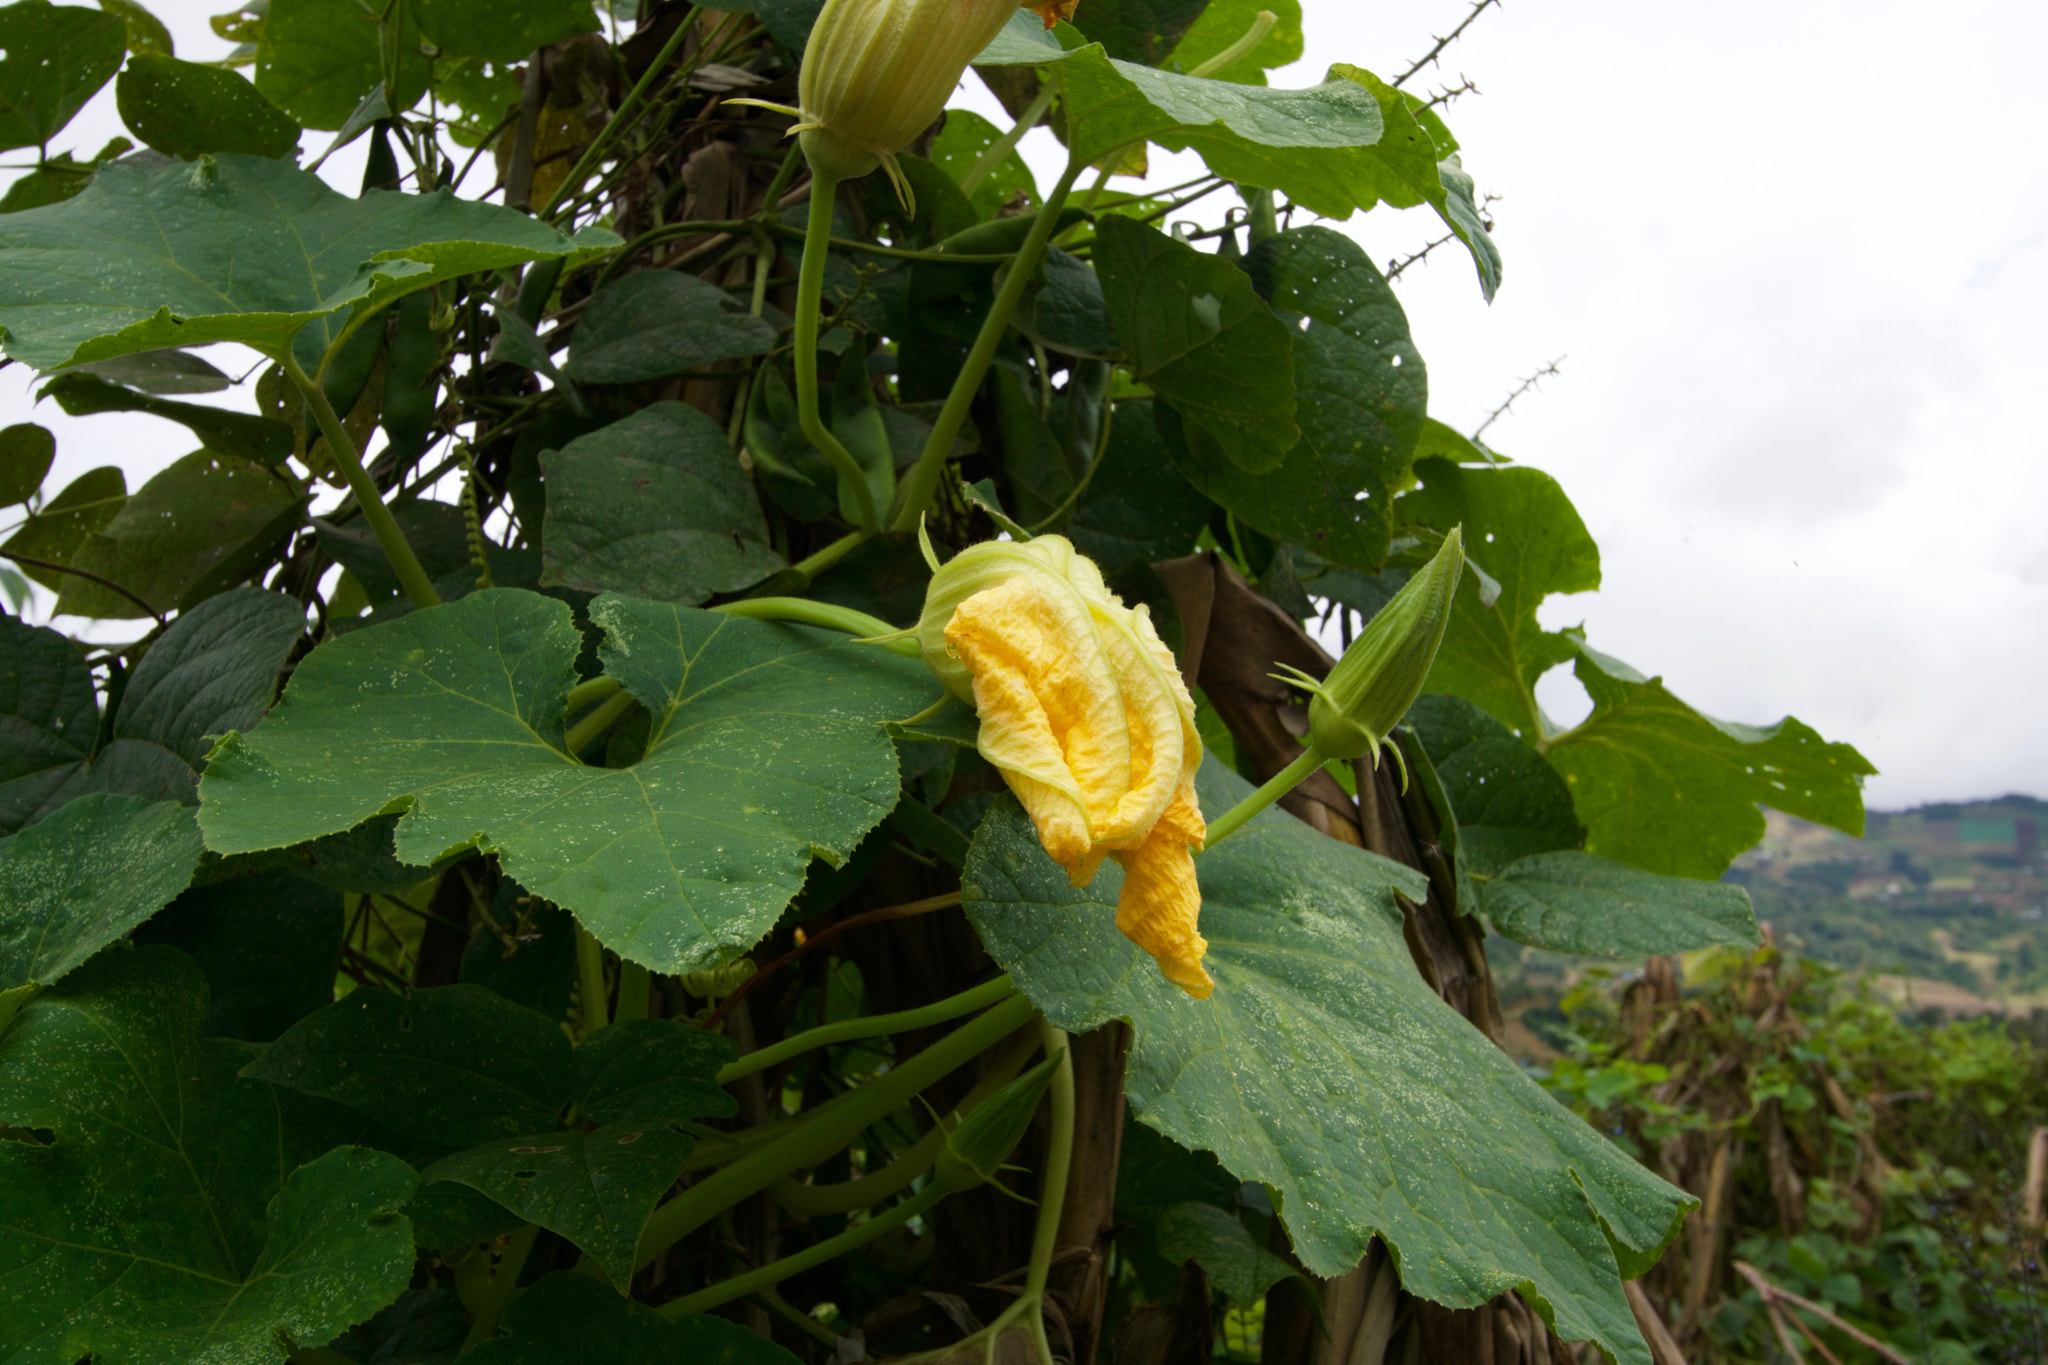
x=877, y=72
x=1380, y=676
x=1084, y=713
x=975, y=1150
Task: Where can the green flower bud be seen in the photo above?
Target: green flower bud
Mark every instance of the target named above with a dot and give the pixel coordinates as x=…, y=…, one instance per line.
x=990, y=1132
x=877, y=72
x=1380, y=676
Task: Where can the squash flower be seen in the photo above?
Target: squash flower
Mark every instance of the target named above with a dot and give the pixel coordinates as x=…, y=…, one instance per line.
x=877, y=72
x=1084, y=713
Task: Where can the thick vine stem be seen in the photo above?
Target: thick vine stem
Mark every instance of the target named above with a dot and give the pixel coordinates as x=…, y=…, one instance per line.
x=1052, y=1197
x=810, y=295
x=870, y=1026
x=812, y=1139
x=412, y=576
x=602, y=718
x=810, y=613
x=924, y=478
x=1281, y=783
x=739, y=1286
x=811, y=1201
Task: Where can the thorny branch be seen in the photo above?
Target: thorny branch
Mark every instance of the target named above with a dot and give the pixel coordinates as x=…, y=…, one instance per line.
x=1445, y=41
x=1528, y=383
x=1445, y=94
x=1394, y=268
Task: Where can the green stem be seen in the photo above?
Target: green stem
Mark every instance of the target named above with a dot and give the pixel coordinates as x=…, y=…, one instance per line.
x=817, y=1254
x=590, y=981
x=1262, y=24
x=589, y=693
x=809, y=613
x=584, y=731
x=411, y=576
x=812, y=1201
x=628, y=108
x=870, y=1026
x=1059, y=1161
x=635, y=988
x=797, y=1318
x=1007, y=143
x=812, y=565
x=504, y=1288
x=1283, y=782
x=812, y=1141
x=924, y=479
x=810, y=297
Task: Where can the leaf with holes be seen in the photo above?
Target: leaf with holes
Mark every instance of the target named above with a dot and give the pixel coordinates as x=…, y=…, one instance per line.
x=1202, y=339
x=180, y=1216
x=765, y=748
x=1325, y=1067
x=1361, y=394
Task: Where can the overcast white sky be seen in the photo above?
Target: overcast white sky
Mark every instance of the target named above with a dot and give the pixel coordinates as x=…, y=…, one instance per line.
x=1795, y=255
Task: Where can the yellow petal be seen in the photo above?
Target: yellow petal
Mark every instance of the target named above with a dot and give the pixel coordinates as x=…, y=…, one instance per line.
x=1161, y=900
x=1051, y=719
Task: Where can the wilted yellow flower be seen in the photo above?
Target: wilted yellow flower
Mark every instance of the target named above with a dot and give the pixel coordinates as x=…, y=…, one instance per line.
x=1085, y=714
x=877, y=72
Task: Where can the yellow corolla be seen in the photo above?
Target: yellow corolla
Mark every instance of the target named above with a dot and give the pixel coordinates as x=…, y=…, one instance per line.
x=1085, y=714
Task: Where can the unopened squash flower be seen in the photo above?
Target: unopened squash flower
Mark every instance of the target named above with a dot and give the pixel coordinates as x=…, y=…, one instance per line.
x=1085, y=714
x=877, y=72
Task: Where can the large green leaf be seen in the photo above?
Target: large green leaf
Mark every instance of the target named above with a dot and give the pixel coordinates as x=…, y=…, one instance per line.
x=451, y=1064
x=1526, y=532
x=765, y=748
x=655, y=323
x=317, y=59
x=269, y=945
x=187, y=109
x=49, y=718
x=52, y=60
x=595, y=1188
x=572, y=1319
x=1360, y=397
x=1136, y=509
x=26, y=453
x=657, y=506
x=171, y=1219
x=647, y=1069
x=1325, y=1067
x=1238, y=1268
x=267, y=440
x=1670, y=789
x=205, y=522
x=1197, y=333
x=237, y=248
x=1506, y=800
x=501, y=30
x=74, y=883
x=1583, y=903
x=213, y=670
x=56, y=530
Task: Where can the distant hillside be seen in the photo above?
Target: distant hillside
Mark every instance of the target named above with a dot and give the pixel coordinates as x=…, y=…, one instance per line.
x=1947, y=903
x=1954, y=893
